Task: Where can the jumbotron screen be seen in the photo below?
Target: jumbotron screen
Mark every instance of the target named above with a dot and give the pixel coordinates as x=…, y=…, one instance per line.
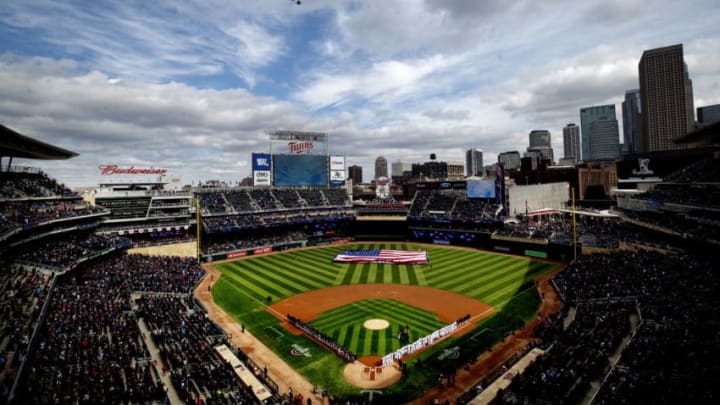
x=300, y=170
x=481, y=189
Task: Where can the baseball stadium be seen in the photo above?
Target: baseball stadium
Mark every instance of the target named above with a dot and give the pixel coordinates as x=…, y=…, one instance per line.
x=302, y=288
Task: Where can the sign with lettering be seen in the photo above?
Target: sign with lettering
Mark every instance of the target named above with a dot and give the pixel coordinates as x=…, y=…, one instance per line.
x=261, y=161
x=300, y=147
x=261, y=250
x=109, y=170
x=233, y=255
x=261, y=178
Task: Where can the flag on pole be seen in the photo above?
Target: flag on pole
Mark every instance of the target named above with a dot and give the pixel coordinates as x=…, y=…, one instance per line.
x=382, y=255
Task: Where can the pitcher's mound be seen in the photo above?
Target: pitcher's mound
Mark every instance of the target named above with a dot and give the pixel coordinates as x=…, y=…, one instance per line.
x=362, y=375
x=376, y=324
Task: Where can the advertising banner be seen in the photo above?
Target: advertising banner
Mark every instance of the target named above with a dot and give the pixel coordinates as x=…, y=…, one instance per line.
x=337, y=162
x=261, y=161
x=262, y=250
x=337, y=170
x=233, y=255
x=261, y=178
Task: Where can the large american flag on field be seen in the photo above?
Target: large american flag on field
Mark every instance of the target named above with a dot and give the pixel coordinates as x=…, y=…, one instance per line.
x=382, y=255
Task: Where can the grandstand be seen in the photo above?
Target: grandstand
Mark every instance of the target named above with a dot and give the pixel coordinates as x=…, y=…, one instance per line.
x=84, y=322
x=144, y=212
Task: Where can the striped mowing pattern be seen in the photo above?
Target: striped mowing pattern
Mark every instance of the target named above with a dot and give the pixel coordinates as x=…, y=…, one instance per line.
x=488, y=277
x=344, y=324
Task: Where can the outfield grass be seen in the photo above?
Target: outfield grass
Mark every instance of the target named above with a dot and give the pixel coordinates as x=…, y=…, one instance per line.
x=494, y=279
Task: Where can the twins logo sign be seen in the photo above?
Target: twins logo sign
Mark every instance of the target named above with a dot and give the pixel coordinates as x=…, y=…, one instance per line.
x=299, y=351
x=451, y=353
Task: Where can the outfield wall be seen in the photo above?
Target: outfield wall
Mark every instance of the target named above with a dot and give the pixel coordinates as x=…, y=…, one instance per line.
x=393, y=230
x=379, y=229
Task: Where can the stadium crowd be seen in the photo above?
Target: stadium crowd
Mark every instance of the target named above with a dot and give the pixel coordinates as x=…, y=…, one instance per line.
x=186, y=339
x=669, y=359
x=452, y=209
x=577, y=356
x=702, y=171
x=253, y=241
x=30, y=183
x=89, y=347
x=22, y=295
x=24, y=214
x=706, y=195
x=61, y=251
x=255, y=200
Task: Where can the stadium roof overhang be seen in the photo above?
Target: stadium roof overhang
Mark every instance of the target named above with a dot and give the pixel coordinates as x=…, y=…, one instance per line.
x=17, y=145
x=704, y=135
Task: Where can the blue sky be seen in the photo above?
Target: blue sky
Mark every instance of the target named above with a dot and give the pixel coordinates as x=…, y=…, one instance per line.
x=194, y=86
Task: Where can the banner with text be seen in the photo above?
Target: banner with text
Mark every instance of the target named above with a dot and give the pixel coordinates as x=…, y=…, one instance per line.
x=261, y=169
x=337, y=170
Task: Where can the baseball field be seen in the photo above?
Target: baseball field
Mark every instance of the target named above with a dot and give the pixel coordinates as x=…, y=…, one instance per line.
x=496, y=291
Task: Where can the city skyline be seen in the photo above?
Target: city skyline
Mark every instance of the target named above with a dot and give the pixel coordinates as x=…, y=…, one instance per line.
x=195, y=87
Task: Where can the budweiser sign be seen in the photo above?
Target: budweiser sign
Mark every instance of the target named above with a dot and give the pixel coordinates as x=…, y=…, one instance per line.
x=300, y=147
x=107, y=170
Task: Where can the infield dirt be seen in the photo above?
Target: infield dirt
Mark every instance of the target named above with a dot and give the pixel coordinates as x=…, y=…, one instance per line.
x=447, y=305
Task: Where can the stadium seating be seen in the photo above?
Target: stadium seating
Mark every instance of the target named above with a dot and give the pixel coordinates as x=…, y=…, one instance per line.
x=61, y=251
x=335, y=197
x=312, y=197
x=186, y=338
x=252, y=241
x=213, y=203
x=24, y=214
x=241, y=201
x=30, y=184
x=289, y=198
x=264, y=198
x=702, y=171
x=22, y=295
x=670, y=359
x=91, y=349
x=579, y=355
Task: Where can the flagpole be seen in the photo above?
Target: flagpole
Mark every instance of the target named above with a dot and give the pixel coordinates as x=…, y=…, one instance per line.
x=572, y=198
x=198, y=224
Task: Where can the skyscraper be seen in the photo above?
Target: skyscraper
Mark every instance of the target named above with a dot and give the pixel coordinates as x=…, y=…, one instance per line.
x=632, y=122
x=588, y=115
x=474, y=162
x=666, y=98
x=708, y=114
x=604, y=139
x=381, y=167
x=539, y=137
x=540, y=144
x=400, y=168
x=509, y=160
x=355, y=174
x=571, y=142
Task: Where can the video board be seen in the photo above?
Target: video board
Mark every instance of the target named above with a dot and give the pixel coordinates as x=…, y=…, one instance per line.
x=481, y=188
x=300, y=170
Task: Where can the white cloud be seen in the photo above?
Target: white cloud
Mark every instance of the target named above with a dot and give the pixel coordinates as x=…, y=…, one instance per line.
x=403, y=79
x=385, y=81
x=155, y=43
x=128, y=122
